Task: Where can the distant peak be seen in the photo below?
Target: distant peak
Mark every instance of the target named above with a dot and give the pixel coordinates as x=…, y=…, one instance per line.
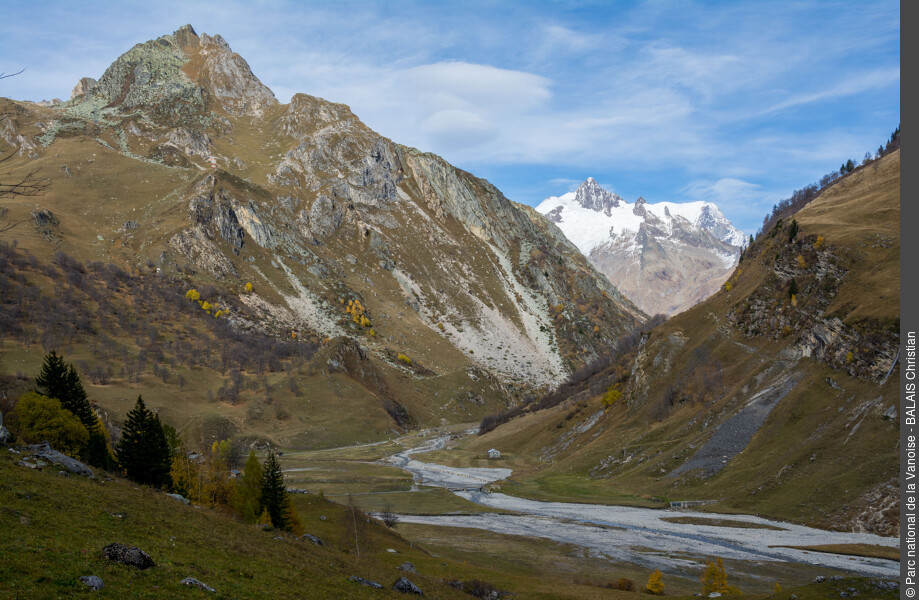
x=590, y=195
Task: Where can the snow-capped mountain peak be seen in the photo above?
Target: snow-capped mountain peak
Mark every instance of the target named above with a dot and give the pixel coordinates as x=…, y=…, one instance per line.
x=593, y=197
x=694, y=245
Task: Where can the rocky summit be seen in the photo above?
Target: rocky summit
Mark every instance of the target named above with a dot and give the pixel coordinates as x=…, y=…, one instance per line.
x=665, y=257
x=179, y=158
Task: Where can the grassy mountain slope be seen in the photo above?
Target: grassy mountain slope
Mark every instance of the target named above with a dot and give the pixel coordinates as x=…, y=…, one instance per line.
x=321, y=215
x=762, y=402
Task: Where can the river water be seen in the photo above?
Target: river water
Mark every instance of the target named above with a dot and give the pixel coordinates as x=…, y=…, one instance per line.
x=631, y=534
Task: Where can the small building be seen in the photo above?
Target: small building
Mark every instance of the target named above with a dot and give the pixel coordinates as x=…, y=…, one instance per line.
x=494, y=453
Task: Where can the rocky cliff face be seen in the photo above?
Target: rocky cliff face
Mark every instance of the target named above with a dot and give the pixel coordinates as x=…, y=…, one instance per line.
x=322, y=215
x=785, y=377
x=665, y=257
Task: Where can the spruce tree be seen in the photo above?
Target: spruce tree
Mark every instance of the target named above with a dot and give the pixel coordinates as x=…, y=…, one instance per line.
x=143, y=451
x=52, y=380
x=793, y=230
x=274, y=498
x=249, y=490
x=60, y=380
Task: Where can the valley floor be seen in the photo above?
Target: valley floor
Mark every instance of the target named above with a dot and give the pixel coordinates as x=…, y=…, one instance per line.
x=759, y=552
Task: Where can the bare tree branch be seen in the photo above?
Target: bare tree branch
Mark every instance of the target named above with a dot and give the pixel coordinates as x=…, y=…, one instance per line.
x=4, y=75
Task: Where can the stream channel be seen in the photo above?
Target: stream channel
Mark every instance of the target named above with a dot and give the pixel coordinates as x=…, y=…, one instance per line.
x=631, y=534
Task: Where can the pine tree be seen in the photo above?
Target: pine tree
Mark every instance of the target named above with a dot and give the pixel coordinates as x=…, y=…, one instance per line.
x=143, y=451
x=274, y=498
x=793, y=288
x=97, y=452
x=52, y=380
x=60, y=380
x=793, y=230
x=249, y=490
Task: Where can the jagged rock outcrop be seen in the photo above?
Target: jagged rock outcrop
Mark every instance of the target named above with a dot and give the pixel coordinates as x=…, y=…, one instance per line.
x=311, y=203
x=84, y=85
x=664, y=257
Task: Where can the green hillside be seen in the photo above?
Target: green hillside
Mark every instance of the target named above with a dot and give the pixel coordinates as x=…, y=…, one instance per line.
x=762, y=402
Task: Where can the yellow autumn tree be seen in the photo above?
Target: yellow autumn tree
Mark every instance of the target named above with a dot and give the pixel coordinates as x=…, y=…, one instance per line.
x=217, y=488
x=655, y=585
x=715, y=579
x=611, y=396
x=193, y=294
x=248, y=287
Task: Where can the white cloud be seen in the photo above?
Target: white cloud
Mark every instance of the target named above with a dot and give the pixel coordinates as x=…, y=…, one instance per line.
x=855, y=84
x=457, y=128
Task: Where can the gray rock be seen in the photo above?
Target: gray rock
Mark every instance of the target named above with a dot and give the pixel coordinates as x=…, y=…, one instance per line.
x=312, y=538
x=84, y=85
x=326, y=216
x=44, y=451
x=192, y=582
x=131, y=556
x=179, y=498
x=27, y=464
x=5, y=435
x=819, y=579
x=92, y=582
x=715, y=595
x=407, y=567
x=891, y=413
x=405, y=586
x=366, y=582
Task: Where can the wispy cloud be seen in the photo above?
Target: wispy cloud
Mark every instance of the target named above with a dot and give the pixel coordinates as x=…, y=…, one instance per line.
x=744, y=100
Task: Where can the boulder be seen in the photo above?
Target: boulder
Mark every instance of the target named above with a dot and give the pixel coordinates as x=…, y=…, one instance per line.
x=92, y=582
x=131, y=556
x=192, y=582
x=407, y=567
x=367, y=582
x=5, y=435
x=891, y=413
x=405, y=586
x=46, y=452
x=179, y=498
x=312, y=538
x=819, y=579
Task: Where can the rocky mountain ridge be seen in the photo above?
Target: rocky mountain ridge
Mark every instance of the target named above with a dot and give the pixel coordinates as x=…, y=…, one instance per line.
x=665, y=257
x=340, y=231
x=762, y=397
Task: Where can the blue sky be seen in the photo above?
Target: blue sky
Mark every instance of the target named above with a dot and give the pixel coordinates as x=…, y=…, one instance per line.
x=734, y=102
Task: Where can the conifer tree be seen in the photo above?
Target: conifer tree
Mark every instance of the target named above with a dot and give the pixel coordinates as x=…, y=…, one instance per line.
x=143, y=451
x=249, y=490
x=274, y=498
x=793, y=230
x=51, y=381
x=60, y=380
